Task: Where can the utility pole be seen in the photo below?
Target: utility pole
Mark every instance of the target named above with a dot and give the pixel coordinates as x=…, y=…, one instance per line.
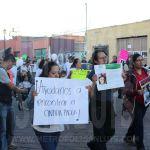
x=4, y=31
x=86, y=28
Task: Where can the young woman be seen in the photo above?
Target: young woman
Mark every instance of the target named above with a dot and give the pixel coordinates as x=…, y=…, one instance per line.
x=76, y=64
x=101, y=108
x=48, y=136
x=137, y=74
x=40, y=67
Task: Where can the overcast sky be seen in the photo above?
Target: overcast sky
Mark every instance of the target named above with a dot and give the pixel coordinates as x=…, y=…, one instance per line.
x=47, y=17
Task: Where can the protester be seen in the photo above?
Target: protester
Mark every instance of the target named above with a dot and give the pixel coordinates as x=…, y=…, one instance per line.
x=63, y=74
x=7, y=116
x=84, y=60
x=68, y=64
x=101, y=108
x=40, y=67
x=14, y=73
x=25, y=84
x=51, y=132
x=136, y=128
x=114, y=59
x=76, y=64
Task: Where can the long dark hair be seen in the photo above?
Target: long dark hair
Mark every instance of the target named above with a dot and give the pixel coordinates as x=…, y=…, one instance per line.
x=95, y=55
x=135, y=56
x=75, y=63
x=41, y=64
x=47, y=68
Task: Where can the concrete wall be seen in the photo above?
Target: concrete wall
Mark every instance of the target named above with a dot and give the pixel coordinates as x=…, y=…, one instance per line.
x=109, y=35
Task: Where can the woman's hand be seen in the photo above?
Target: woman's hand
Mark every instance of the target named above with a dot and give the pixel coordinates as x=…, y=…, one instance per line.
x=89, y=88
x=124, y=76
x=34, y=93
x=23, y=90
x=94, y=78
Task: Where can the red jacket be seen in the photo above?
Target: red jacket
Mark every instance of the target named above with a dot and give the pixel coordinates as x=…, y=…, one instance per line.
x=135, y=78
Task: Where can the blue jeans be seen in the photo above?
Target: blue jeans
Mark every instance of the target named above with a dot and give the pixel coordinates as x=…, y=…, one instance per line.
x=48, y=141
x=7, y=125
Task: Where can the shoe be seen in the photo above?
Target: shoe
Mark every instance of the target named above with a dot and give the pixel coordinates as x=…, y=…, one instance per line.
x=140, y=148
x=12, y=147
x=91, y=145
x=129, y=140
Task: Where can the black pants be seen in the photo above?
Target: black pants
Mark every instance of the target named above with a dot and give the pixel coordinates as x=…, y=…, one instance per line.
x=48, y=141
x=104, y=125
x=136, y=127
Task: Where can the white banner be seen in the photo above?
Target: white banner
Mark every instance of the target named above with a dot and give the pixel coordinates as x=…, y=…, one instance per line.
x=60, y=101
x=109, y=76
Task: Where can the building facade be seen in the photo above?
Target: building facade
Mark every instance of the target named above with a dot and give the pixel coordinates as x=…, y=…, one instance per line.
x=67, y=45
x=43, y=47
x=32, y=46
x=134, y=37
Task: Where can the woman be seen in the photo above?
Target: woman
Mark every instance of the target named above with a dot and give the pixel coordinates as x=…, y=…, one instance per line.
x=76, y=64
x=40, y=67
x=101, y=108
x=137, y=74
x=48, y=135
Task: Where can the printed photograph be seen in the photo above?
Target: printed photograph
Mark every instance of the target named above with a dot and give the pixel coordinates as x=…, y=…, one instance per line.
x=102, y=78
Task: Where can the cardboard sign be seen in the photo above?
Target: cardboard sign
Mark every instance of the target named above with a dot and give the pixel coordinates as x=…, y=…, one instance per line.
x=60, y=101
x=79, y=74
x=123, y=56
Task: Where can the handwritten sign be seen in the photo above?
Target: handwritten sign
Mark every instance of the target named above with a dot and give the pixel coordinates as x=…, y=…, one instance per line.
x=123, y=56
x=79, y=74
x=60, y=101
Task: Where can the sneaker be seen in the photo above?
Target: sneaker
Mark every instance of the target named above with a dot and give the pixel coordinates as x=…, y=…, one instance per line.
x=140, y=148
x=129, y=140
x=91, y=145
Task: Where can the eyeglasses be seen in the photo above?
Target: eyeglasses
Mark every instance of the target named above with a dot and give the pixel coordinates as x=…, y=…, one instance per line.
x=103, y=57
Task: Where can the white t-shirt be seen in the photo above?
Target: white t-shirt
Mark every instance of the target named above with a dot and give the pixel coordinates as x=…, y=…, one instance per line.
x=67, y=66
x=25, y=84
x=24, y=68
x=38, y=72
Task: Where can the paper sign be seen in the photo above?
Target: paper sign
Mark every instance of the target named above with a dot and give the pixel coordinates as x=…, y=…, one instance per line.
x=109, y=76
x=60, y=101
x=145, y=84
x=79, y=74
x=123, y=56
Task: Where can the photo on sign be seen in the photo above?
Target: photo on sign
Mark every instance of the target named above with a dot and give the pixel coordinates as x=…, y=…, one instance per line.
x=147, y=95
x=102, y=78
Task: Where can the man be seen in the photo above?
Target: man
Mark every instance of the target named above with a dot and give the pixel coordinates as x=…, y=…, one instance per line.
x=114, y=59
x=6, y=110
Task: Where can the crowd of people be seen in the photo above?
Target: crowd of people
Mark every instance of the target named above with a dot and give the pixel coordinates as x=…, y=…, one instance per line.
x=17, y=80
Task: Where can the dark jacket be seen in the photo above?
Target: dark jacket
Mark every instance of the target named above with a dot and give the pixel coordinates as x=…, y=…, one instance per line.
x=101, y=112
x=5, y=94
